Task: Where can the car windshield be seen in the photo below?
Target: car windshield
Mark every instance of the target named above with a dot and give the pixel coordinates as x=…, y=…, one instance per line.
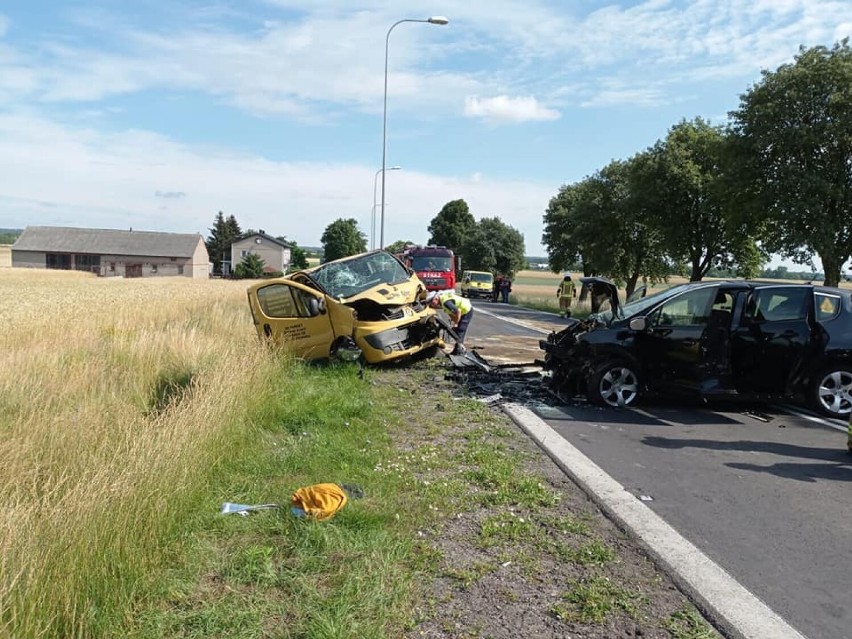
x=481, y=277
x=441, y=264
x=639, y=306
x=345, y=278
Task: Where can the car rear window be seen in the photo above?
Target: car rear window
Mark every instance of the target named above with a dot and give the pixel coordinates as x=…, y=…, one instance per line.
x=827, y=306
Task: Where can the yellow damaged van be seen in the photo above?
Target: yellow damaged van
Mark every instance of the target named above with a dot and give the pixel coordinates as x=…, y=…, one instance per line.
x=477, y=284
x=368, y=304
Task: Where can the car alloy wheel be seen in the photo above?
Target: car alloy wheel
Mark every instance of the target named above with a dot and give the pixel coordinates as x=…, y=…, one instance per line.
x=834, y=391
x=614, y=385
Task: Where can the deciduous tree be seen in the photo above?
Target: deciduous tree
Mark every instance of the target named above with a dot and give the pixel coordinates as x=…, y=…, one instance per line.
x=601, y=223
x=298, y=257
x=452, y=226
x=685, y=192
x=795, y=131
x=342, y=238
x=494, y=246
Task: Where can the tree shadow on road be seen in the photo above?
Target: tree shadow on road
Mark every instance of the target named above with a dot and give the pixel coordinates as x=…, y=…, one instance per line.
x=835, y=463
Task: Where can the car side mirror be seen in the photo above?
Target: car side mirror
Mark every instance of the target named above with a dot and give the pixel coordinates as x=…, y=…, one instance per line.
x=639, y=324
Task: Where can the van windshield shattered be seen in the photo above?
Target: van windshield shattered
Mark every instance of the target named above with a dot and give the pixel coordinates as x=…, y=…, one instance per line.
x=345, y=278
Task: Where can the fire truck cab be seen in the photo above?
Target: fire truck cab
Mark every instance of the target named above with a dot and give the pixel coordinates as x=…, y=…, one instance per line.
x=436, y=266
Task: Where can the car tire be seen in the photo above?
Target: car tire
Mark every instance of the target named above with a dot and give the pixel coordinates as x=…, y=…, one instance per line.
x=613, y=384
x=831, y=391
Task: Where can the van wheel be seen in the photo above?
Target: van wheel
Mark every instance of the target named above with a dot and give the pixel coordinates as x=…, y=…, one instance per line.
x=613, y=384
x=831, y=390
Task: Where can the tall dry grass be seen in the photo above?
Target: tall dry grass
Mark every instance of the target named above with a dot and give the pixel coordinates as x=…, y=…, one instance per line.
x=116, y=397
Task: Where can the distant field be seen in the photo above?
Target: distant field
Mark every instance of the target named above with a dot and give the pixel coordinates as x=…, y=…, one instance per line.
x=5, y=256
x=537, y=289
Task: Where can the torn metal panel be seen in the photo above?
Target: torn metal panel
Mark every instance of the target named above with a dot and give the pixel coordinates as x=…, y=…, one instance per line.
x=470, y=359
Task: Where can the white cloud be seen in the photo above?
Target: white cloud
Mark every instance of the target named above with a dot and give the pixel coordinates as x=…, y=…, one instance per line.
x=506, y=108
x=54, y=175
x=332, y=53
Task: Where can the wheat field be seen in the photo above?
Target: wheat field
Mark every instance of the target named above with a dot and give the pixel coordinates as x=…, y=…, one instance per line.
x=115, y=397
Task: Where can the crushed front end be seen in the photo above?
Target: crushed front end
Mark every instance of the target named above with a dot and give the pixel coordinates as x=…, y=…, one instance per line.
x=390, y=331
x=567, y=357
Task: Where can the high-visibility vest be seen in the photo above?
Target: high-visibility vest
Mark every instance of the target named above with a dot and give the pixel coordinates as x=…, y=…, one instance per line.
x=462, y=303
x=566, y=288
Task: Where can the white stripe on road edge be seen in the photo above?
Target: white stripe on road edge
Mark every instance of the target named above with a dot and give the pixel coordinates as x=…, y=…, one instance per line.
x=836, y=424
x=737, y=611
x=511, y=320
x=645, y=413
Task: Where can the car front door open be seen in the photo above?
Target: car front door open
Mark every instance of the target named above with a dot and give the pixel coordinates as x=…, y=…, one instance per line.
x=672, y=347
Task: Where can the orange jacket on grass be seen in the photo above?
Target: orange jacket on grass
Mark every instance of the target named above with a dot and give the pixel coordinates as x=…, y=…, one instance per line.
x=320, y=500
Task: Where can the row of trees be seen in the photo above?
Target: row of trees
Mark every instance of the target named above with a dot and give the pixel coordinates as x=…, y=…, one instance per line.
x=486, y=245
x=777, y=179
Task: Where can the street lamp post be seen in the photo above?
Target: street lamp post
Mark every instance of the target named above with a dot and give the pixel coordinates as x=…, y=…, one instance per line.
x=433, y=20
x=375, y=204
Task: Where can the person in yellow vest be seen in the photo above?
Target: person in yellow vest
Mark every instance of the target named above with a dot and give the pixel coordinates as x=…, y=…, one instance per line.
x=849, y=436
x=458, y=308
x=566, y=293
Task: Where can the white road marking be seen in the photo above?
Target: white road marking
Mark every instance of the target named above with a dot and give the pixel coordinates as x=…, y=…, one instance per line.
x=735, y=609
x=836, y=424
x=654, y=417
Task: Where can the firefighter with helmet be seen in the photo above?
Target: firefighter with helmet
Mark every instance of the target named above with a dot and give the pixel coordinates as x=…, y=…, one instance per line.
x=458, y=308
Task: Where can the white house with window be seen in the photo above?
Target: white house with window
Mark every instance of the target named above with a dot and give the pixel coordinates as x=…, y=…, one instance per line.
x=274, y=253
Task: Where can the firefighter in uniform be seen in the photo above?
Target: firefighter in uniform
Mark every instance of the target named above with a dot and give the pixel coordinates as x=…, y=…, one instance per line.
x=565, y=293
x=849, y=435
x=458, y=308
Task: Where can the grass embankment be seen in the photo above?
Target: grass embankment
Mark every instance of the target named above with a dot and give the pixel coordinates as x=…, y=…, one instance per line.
x=131, y=409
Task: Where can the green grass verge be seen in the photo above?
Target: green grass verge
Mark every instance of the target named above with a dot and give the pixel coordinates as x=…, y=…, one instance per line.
x=272, y=574
x=593, y=599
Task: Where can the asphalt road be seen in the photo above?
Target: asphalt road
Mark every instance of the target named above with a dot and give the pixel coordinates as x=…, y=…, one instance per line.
x=768, y=496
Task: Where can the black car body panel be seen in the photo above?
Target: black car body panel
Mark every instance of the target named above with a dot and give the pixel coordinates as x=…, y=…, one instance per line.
x=722, y=338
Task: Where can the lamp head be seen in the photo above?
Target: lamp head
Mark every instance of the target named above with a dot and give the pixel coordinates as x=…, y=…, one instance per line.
x=438, y=20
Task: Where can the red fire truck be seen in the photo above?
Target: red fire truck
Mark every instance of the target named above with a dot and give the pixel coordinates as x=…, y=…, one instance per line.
x=436, y=266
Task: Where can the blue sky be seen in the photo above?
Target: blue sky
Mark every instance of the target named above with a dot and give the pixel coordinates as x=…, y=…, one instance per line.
x=156, y=115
